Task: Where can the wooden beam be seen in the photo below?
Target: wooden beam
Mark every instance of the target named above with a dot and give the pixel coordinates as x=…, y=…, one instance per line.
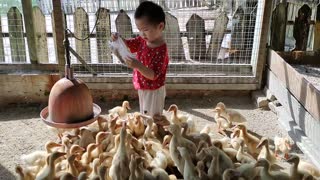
x=301, y=57
x=58, y=29
x=316, y=40
x=301, y=88
x=28, y=23
x=262, y=54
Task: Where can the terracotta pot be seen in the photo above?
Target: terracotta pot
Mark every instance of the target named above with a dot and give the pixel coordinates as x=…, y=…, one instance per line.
x=70, y=101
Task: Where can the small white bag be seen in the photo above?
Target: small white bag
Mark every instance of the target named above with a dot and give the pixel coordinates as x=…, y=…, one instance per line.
x=120, y=49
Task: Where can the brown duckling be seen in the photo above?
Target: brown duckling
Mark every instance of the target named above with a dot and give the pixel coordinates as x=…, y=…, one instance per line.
x=265, y=152
x=250, y=140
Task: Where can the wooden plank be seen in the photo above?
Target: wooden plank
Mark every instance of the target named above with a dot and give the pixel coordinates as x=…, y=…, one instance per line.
x=301, y=28
x=278, y=27
x=220, y=24
x=103, y=36
x=81, y=24
x=316, y=40
x=30, y=30
x=301, y=88
x=173, y=38
x=123, y=24
x=262, y=50
x=308, y=125
x=17, y=43
x=58, y=29
x=196, y=37
x=40, y=35
x=301, y=57
x=2, y=56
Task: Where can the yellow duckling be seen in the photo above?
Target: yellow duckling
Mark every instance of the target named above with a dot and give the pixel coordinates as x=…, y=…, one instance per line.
x=222, y=122
x=121, y=111
x=99, y=138
x=71, y=168
x=250, y=140
x=265, y=152
x=242, y=156
x=189, y=169
x=120, y=162
x=138, y=125
x=177, y=118
x=94, y=167
x=86, y=157
x=48, y=172
x=266, y=174
x=283, y=145
x=230, y=114
x=23, y=175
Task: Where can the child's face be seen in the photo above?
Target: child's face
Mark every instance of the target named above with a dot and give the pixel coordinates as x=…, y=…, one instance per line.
x=148, y=31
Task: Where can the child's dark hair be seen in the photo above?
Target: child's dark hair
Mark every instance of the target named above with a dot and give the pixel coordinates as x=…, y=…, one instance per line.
x=153, y=12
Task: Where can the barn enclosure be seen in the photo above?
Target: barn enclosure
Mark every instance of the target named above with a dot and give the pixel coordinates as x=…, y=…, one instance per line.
x=246, y=53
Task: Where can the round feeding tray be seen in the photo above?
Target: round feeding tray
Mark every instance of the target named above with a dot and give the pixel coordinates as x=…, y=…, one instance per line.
x=44, y=114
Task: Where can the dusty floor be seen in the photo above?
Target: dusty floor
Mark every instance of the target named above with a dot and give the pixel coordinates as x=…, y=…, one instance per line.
x=21, y=130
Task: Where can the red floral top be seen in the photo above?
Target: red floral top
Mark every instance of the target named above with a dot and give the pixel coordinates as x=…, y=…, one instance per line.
x=154, y=58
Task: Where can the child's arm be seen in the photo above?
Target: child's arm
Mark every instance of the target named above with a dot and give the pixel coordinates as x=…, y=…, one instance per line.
x=133, y=43
x=145, y=71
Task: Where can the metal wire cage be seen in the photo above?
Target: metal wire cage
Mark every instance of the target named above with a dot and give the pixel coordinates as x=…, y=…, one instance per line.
x=218, y=38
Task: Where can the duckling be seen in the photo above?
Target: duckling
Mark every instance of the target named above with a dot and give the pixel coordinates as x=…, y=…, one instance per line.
x=265, y=152
x=194, y=137
x=48, y=172
x=235, y=139
x=148, y=132
x=106, y=159
x=86, y=157
x=160, y=174
x=222, y=122
x=242, y=156
x=232, y=153
x=295, y=174
x=141, y=172
x=230, y=114
x=120, y=162
x=166, y=141
x=133, y=167
x=86, y=137
x=283, y=145
x=229, y=174
x=159, y=161
x=82, y=176
x=38, y=158
x=214, y=169
x=200, y=169
x=99, y=138
x=177, y=118
x=71, y=167
x=138, y=125
x=121, y=111
x=189, y=169
x=94, y=167
x=76, y=150
x=224, y=161
x=303, y=167
x=22, y=174
x=266, y=174
x=103, y=172
x=67, y=176
x=250, y=140
x=249, y=171
x=178, y=140
x=153, y=148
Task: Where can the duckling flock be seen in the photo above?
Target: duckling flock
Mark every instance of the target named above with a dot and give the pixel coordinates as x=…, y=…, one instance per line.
x=122, y=145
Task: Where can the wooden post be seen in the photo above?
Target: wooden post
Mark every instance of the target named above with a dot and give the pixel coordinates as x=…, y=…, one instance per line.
x=262, y=51
x=173, y=38
x=81, y=24
x=103, y=36
x=316, y=41
x=123, y=24
x=278, y=27
x=196, y=37
x=58, y=34
x=220, y=25
x=40, y=33
x=28, y=22
x=17, y=43
x=301, y=28
x=2, y=57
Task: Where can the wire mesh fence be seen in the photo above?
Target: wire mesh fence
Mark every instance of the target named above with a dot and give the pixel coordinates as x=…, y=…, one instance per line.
x=203, y=37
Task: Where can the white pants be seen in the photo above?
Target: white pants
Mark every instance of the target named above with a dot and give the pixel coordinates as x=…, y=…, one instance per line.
x=152, y=101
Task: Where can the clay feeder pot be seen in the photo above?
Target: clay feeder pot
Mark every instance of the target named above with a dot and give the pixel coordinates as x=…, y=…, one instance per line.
x=70, y=102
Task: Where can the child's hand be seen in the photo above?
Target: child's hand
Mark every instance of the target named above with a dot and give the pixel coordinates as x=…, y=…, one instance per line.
x=114, y=36
x=131, y=62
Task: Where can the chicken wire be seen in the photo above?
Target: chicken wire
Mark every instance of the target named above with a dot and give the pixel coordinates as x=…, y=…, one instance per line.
x=216, y=37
